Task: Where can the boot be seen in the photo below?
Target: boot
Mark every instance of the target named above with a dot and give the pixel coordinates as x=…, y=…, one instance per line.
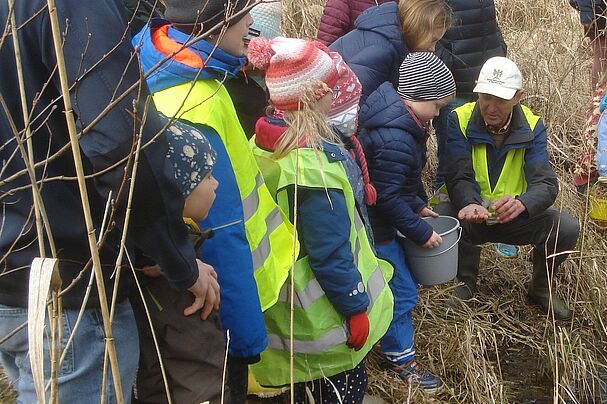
x=469, y=260
x=539, y=294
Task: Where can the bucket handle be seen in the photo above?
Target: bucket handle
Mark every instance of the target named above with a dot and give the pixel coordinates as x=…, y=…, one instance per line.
x=459, y=236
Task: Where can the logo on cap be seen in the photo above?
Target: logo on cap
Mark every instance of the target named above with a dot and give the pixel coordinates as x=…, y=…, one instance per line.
x=497, y=77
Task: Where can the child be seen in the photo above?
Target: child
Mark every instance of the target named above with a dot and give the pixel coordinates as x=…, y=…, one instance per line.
x=192, y=349
x=338, y=18
x=251, y=247
x=384, y=35
x=341, y=288
x=394, y=137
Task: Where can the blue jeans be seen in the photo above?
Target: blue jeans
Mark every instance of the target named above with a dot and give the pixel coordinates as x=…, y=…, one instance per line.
x=397, y=345
x=440, y=128
x=81, y=372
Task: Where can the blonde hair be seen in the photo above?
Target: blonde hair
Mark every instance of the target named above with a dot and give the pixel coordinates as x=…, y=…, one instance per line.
x=307, y=123
x=420, y=18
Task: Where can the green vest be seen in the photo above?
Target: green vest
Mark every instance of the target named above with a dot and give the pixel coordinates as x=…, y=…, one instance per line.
x=269, y=233
x=319, y=331
x=511, y=180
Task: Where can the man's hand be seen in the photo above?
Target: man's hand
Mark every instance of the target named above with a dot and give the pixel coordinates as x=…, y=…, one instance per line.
x=427, y=212
x=474, y=213
x=508, y=208
x=434, y=241
x=205, y=291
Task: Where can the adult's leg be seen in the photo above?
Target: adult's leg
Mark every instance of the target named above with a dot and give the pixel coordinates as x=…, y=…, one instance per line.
x=552, y=233
x=469, y=254
x=80, y=374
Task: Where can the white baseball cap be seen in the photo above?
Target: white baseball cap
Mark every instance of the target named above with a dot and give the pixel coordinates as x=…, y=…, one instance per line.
x=499, y=77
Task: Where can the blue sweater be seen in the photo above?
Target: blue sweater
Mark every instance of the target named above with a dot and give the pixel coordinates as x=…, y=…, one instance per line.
x=395, y=147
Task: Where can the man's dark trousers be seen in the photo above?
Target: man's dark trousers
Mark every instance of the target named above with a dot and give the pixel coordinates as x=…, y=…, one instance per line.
x=551, y=233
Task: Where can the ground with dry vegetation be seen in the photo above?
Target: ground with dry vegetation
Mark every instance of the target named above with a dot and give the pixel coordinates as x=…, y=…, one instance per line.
x=497, y=349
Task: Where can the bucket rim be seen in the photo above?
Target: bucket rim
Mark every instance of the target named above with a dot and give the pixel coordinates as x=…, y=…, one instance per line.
x=456, y=220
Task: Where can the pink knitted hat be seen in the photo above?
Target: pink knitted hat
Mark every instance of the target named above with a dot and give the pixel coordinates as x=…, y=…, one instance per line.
x=346, y=97
x=292, y=65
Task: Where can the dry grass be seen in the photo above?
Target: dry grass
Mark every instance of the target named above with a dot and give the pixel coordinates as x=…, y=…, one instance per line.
x=498, y=349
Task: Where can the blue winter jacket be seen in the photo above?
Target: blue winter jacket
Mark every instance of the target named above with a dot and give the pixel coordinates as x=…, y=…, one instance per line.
x=375, y=49
x=228, y=250
x=395, y=147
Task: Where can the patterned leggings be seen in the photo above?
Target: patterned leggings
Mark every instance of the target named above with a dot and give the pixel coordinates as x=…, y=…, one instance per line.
x=350, y=385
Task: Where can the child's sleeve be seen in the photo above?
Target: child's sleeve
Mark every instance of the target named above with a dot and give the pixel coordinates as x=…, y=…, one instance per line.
x=397, y=200
x=324, y=226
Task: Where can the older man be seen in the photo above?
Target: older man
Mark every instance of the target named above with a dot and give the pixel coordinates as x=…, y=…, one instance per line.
x=501, y=184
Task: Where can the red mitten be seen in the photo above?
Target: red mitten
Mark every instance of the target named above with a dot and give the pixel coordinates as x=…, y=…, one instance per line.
x=359, y=330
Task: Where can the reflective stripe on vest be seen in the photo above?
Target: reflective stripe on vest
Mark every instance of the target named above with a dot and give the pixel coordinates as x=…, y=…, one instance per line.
x=507, y=183
x=269, y=234
x=319, y=331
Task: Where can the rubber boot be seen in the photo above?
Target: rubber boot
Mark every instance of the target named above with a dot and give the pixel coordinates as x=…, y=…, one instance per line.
x=539, y=293
x=469, y=257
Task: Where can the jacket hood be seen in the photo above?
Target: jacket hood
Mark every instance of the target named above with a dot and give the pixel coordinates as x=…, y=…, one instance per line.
x=385, y=109
x=383, y=20
x=198, y=61
x=268, y=131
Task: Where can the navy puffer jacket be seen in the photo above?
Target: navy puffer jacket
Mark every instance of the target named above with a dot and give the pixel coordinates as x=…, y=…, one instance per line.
x=376, y=48
x=339, y=16
x=589, y=10
x=473, y=38
x=395, y=147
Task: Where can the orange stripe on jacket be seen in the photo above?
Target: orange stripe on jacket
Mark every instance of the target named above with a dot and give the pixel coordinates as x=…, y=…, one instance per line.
x=167, y=46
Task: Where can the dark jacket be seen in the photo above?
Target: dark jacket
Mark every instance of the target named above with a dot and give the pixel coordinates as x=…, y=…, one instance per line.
x=338, y=18
x=156, y=225
x=589, y=9
x=542, y=185
x=473, y=38
x=375, y=49
x=250, y=101
x=395, y=146
x=323, y=226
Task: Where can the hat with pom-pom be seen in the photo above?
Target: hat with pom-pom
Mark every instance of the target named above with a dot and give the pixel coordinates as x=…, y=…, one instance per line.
x=292, y=66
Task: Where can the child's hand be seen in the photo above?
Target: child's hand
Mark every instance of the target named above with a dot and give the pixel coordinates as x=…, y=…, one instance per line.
x=205, y=291
x=359, y=330
x=434, y=241
x=427, y=212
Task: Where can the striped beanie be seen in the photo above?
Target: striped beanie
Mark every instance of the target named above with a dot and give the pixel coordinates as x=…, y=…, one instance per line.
x=424, y=77
x=292, y=66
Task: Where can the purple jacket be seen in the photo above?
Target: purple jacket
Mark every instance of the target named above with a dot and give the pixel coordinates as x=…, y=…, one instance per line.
x=339, y=16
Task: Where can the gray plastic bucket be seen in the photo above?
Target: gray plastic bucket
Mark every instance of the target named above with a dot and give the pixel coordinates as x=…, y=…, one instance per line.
x=433, y=266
